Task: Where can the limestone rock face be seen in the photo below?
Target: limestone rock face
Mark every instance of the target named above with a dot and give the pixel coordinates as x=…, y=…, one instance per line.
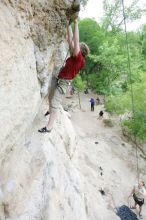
x=19, y=86
x=39, y=177
x=32, y=34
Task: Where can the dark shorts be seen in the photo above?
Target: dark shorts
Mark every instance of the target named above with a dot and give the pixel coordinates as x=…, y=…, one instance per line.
x=138, y=201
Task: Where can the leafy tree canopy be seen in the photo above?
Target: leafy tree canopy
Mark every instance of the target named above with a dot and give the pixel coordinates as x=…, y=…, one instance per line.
x=107, y=67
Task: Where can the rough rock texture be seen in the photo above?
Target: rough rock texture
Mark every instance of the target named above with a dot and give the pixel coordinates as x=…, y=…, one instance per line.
x=41, y=181
x=32, y=45
x=31, y=42
x=42, y=177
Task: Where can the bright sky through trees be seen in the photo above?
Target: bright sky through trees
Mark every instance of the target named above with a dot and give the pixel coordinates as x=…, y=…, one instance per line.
x=94, y=9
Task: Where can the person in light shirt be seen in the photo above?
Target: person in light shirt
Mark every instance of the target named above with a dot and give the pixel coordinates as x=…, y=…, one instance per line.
x=138, y=192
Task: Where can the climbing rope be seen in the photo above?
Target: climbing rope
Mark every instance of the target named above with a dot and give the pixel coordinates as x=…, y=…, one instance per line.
x=131, y=86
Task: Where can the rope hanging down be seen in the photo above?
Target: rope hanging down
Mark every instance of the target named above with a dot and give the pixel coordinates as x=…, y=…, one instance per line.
x=131, y=87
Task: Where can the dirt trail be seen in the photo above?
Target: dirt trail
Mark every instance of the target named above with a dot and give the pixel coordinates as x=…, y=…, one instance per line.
x=105, y=159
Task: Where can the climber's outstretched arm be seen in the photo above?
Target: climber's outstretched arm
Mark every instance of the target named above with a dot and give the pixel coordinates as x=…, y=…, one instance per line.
x=76, y=47
x=70, y=37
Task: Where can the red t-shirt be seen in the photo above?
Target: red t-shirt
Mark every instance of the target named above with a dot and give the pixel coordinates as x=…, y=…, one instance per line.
x=72, y=67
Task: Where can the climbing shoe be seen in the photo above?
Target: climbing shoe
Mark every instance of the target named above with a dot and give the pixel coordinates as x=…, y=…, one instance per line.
x=140, y=216
x=47, y=113
x=44, y=130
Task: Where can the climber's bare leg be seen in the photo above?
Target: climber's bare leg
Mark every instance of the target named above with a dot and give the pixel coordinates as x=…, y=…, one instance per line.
x=52, y=118
x=55, y=103
x=51, y=94
x=140, y=210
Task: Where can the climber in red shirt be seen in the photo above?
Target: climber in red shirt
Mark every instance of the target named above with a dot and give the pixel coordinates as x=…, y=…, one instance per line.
x=72, y=67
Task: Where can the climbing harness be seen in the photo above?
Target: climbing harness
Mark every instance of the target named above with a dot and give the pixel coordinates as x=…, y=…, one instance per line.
x=131, y=87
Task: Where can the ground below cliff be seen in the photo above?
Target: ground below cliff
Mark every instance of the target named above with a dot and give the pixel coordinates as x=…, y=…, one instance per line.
x=67, y=175
x=104, y=158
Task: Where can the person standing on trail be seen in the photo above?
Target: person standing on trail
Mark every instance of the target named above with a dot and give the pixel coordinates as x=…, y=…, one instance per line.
x=92, y=102
x=138, y=193
x=72, y=67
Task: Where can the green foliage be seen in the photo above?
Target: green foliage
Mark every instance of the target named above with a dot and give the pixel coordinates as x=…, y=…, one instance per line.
x=137, y=126
x=143, y=40
x=90, y=32
x=144, y=47
x=107, y=68
x=123, y=103
x=79, y=83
